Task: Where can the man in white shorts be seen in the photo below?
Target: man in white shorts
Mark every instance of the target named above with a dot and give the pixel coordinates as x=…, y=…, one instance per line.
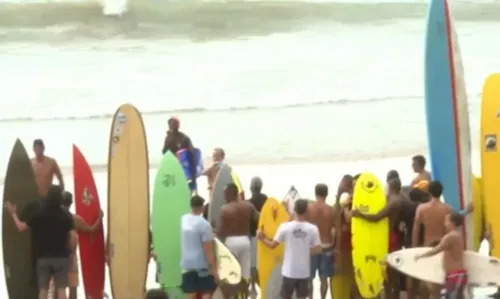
x=233, y=228
x=301, y=240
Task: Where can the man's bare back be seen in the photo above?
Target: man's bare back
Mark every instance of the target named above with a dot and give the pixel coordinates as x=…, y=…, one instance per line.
x=453, y=254
x=44, y=169
x=432, y=215
x=322, y=215
x=235, y=219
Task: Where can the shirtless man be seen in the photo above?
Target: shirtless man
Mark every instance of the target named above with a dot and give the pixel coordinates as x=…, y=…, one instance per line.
x=432, y=215
x=322, y=215
x=397, y=205
x=418, y=165
x=211, y=172
x=82, y=226
x=301, y=240
x=233, y=228
x=44, y=168
x=453, y=247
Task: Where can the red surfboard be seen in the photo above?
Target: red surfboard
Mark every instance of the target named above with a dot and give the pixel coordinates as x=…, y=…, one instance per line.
x=91, y=244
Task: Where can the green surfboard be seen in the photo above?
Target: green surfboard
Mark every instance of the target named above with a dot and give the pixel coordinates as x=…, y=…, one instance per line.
x=171, y=197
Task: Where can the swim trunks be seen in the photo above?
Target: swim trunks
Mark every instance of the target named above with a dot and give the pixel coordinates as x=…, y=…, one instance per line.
x=395, y=243
x=240, y=247
x=455, y=284
x=323, y=264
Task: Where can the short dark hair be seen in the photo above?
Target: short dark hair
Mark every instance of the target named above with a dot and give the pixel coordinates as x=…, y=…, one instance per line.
x=38, y=142
x=54, y=196
x=321, y=190
x=435, y=189
x=197, y=202
x=395, y=184
x=456, y=219
x=156, y=294
x=420, y=160
x=417, y=195
x=392, y=174
x=67, y=199
x=232, y=188
x=300, y=207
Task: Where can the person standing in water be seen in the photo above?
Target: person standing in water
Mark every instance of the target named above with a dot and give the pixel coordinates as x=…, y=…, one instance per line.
x=44, y=168
x=301, y=239
x=233, y=228
x=197, y=253
x=432, y=216
x=258, y=200
x=418, y=165
x=452, y=245
x=396, y=208
x=321, y=214
x=177, y=140
x=80, y=225
x=52, y=233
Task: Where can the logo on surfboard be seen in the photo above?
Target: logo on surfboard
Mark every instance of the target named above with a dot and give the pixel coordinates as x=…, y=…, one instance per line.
x=87, y=197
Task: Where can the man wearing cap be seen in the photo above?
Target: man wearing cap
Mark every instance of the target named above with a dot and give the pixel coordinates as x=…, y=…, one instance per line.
x=177, y=140
x=44, y=168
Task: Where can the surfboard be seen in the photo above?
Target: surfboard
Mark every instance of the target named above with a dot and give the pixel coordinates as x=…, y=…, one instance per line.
x=276, y=280
x=237, y=182
x=370, y=241
x=272, y=215
x=21, y=190
x=171, y=197
x=482, y=270
x=490, y=157
x=183, y=156
x=290, y=198
x=223, y=178
x=91, y=244
x=128, y=204
x=477, y=215
x=227, y=265
x=447, y=111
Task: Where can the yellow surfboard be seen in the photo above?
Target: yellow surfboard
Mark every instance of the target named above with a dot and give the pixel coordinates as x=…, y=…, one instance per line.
x=273, y=214
x=128, y=204
x=477, y=201
x=370, y=241
x=490, y=157
x=237, y=182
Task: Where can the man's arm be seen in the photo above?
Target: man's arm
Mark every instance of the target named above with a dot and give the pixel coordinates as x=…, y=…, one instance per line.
x=278, y=238
x=316, y=242
x=255, y=214
x=208, y=247
x=81, y=225
x=57, y=172
x=21, y=226
x=221, y=225
x=416, y=227
x=389, y=207
x=443, y=245
x=208, y=170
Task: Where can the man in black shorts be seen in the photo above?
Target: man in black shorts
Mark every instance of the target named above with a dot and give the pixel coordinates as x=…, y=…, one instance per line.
x=301, y=239
x=51, y=228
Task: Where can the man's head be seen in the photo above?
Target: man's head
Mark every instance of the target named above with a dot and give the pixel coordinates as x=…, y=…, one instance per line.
x=346, y=185
x=435, y=189
x=453, y=221
x=38, y=147
x=67, y=199
x=418, y=163
x=300, y=207
x=156, y=294
x=54, y=197
x=321, y=191
x=256, y=185
x=392, y=174
x=231, y=192
x=218, y=155
x=394, y=186
x=173, y=124
x=197, y=204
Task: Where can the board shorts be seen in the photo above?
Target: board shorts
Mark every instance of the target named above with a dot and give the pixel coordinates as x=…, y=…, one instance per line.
x=395, y=242
x=291, y=285
x=455, y=285
x=323, y=264
x=240, y=247
x=198, y=281
x=253, y=261
x=56, y=268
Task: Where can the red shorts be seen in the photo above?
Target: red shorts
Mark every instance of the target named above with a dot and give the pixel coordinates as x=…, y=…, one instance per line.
x=455, y=284
x=395, y=243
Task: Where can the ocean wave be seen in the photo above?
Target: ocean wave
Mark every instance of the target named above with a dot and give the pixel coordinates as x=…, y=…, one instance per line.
x=207, y=20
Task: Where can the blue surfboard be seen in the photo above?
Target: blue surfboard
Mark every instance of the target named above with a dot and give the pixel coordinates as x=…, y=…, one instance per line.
x=183, y=156
x=446, y=108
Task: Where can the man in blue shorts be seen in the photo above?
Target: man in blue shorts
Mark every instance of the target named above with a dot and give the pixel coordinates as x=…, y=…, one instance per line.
x=198, y=256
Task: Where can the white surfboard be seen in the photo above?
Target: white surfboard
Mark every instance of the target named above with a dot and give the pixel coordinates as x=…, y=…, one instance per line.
x=290, y=198
x=483, y=271
x=228, y=267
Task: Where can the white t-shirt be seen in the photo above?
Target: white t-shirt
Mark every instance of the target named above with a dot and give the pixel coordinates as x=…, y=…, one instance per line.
x=299, y=238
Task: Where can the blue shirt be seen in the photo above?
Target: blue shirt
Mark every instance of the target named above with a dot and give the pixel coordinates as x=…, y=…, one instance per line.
x=195, y=230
